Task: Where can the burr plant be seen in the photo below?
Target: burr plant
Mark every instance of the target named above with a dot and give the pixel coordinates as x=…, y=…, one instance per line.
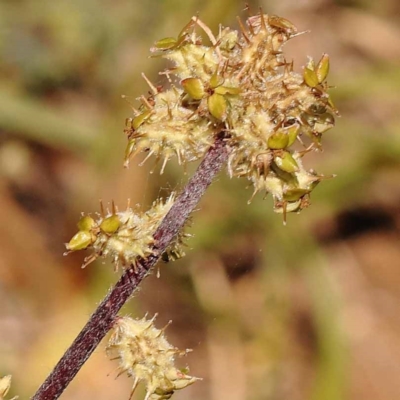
x=240, y=86
x=144, y=353
x=124, y=235
x=231, y=98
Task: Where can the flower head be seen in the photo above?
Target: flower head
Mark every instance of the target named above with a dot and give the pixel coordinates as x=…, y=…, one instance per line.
x=241, y=85
x=124, y=235
x=146, y=355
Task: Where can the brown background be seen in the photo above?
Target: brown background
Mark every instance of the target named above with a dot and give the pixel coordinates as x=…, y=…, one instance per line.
x=306, y=311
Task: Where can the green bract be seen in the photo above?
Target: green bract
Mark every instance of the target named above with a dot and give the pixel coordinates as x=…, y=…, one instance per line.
x=86, y=223
x=286, y=162
x=323, y=68
x=80, y=241
x=194, y=88
x=278, y=140
x=124, y=235
x=310, y=77
x=110, y=224
x=217, y=106
x=139, y=119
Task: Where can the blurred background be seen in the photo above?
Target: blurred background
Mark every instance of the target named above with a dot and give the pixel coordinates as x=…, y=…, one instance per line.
x=306, y=311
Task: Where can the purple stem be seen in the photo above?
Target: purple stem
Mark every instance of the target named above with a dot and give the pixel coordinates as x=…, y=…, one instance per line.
x=102, y=319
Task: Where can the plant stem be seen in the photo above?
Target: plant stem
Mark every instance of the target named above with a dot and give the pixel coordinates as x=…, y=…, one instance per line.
x=102, y=319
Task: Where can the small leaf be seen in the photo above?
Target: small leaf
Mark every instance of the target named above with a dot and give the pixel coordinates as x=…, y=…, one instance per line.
x=86, y=223
x=80, y=241
x=287, y=207
x=166, y=43
x=324, y=122
x=292, y=132
x=282, y=23
x=138, y=120
x=295, y=194
x=227, y=90
x=110, y=224
x=286, y=162
x=323, y=68
x=278, y=140
x=310, y=77
x=194, y=88
x=216, y=81
x=129, y=150
x=217, y=106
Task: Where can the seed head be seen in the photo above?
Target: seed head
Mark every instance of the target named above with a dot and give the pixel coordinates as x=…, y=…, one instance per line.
x=240, y=84
x=124, y=235
x=145, y=354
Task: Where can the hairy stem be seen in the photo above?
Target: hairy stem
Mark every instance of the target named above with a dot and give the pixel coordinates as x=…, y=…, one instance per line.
x=102, y=319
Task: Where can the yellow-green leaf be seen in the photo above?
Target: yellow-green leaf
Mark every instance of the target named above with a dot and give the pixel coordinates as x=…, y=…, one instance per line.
x=286, y=162
x=86, y=223
x=278, y=140
x=227, y=90
x=138, y=120
x=166, y=43
x=217, y=105
x=323, y=68
x=80, y=241
x=216, y=81
x=292, y=132
x=295, y=194
x=110, y=224
x=194, y=88
x=310, y=77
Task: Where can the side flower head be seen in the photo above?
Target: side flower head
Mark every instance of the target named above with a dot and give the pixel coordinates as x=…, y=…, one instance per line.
x=145, y=354
x=239, y=84
x=124, y=235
